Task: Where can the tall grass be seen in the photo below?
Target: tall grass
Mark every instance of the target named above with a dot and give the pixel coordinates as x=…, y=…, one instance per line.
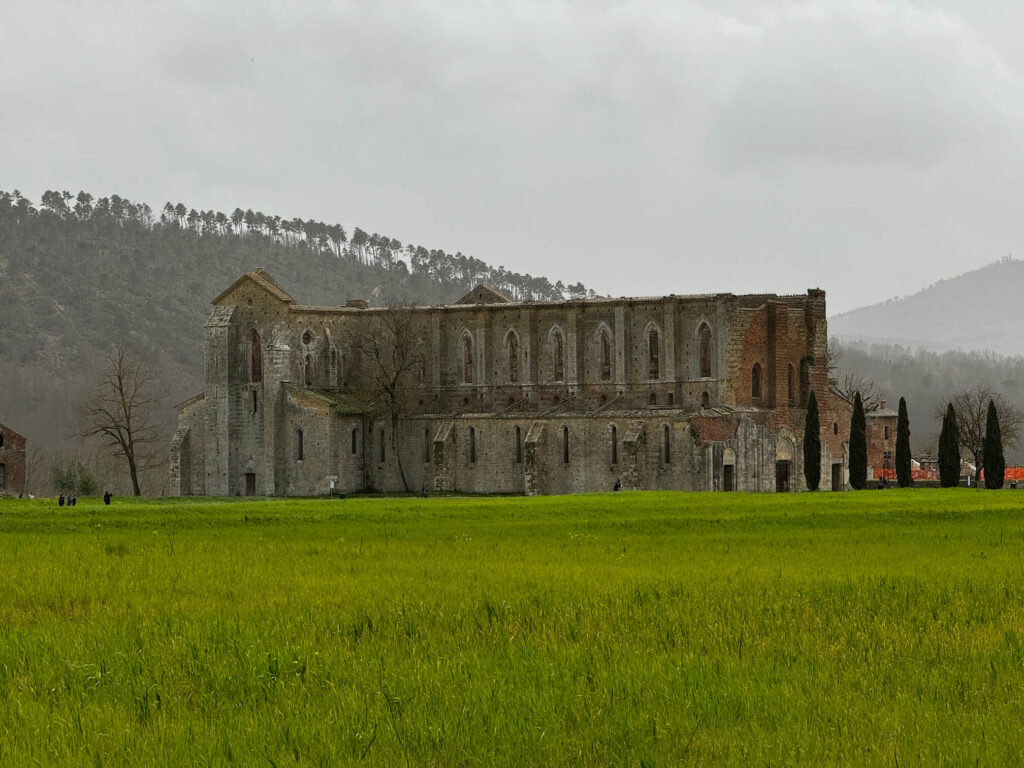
x=617, y=629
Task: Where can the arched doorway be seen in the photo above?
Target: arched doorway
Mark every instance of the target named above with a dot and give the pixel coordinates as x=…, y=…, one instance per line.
x=783, y=465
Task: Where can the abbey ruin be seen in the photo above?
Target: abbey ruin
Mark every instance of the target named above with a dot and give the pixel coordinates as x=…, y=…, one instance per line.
x=488, y=395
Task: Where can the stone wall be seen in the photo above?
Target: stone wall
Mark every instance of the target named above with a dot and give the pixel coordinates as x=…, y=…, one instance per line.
x=650, y=417
x=12, y=462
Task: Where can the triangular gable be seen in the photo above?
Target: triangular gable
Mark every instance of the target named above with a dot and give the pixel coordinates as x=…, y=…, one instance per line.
x=484, y=294
x=11, y=431
x=263, y=279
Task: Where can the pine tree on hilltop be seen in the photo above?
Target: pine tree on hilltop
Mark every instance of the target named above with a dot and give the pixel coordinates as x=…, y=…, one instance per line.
x=949, y=450
x=995, y=463
x=858, y=446
x=812, y=445
x=903, y=475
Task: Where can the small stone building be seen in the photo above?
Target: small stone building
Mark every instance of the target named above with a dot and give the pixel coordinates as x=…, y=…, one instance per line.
x=700, y=392
x=12, y=462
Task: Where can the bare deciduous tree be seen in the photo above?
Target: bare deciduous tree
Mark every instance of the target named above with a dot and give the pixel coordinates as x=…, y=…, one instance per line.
x=121, y=413
x=848, y=382
x=971, y=407
x=392, y=350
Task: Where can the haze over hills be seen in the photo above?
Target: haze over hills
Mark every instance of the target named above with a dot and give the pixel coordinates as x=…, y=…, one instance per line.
x=981, y=310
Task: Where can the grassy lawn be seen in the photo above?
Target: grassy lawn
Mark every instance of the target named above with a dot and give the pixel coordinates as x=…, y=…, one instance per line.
x=617, y=629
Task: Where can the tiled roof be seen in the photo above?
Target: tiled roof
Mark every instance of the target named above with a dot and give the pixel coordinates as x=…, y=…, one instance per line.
x=263, y=279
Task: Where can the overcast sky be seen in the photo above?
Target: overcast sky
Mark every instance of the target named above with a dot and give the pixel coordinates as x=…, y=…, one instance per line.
x=868, y=148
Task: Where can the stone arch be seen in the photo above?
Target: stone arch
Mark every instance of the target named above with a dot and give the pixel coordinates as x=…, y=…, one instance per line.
x=466, y=350
x=666, y=443
x=705, y=349
x=511, y=346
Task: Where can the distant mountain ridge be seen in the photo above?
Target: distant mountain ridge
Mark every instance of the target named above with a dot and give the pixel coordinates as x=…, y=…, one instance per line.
x=981, y=310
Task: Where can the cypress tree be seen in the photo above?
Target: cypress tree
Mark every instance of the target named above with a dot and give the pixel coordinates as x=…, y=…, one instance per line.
x=858, y=446
x=992, y=452
x=812, y=445
x=949, y=450
x=903, y=475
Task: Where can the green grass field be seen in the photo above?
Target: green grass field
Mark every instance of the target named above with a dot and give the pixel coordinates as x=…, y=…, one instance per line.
x=622, y=629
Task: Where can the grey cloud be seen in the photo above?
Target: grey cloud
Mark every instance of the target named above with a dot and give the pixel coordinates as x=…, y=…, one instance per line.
x=859, y=83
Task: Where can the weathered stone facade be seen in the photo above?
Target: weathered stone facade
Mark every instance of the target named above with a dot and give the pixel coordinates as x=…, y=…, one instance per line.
x=676, y=392
x=12, y=462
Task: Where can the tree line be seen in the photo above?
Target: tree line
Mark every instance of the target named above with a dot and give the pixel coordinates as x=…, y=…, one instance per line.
x=971, y=426
x=381, y=252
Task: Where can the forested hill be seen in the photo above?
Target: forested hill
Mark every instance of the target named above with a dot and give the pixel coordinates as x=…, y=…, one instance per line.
x=80, y=275
x=979, y=310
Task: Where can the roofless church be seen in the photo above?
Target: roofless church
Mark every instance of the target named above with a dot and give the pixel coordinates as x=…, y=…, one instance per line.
x=489, y=395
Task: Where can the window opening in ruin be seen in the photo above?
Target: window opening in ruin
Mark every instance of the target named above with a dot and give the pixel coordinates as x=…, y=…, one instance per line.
x=565, y=445
x=472, y=445
x=615, y=445
x=513, y=358
x=886, y=435
x=307, y=338
x=255, y=402
x=557, y=357
x=255, y=357
x=791, y=384
x=667, y=444
x=467, y=359
x=705, y=399
x=519, y=446
x=426, y=445
x=755, y=381
x=835, y=427
x=3, y=476
x=653, y=399
x=605, y=356
x=1, y=439
x=671, y=398
x=354, y=443
x=250, y=483
x=299, y=452
x=652, y=354
x=309, y=371
x=382, y=446
x=705, y=351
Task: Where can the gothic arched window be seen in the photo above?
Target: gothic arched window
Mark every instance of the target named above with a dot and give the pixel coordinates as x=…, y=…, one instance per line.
x=653, y=354
x=557, y=357
x=704, y=355
x=467, y=359
x=755, y=381
x=604, y=353
x=255, y=357
x=512, y=350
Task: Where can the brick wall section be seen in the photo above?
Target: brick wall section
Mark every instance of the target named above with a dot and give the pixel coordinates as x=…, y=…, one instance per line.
x=244, y=429
x=12, y=457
